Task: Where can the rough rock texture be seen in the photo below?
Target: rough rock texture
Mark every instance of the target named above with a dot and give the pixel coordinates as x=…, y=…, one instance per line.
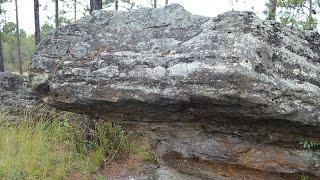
x=168, y=64
x=167, y=173
x=231, y=150
x=231, y=92
x=15, y=93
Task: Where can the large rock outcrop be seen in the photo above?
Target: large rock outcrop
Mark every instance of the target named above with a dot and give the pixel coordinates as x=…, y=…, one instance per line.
x=231, y=92
x=168, y=64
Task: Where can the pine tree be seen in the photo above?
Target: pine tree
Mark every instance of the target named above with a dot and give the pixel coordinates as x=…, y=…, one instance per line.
x=18, y=38
x=1, y=48
x=116, y=5
x=36, y=22
x=154, y=4
x=75, y=10
x=272, y=9
x=57, y=13
x=95, y=5
x=1, y=55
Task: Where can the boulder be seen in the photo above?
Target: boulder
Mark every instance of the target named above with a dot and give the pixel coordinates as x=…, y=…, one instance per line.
x=223, y=97
x=167, y=64
x=234, y=150
x=15, y=93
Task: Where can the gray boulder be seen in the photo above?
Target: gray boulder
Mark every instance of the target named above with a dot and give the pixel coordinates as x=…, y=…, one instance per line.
x=15, y=93
x=167, y=64
x=228, y=97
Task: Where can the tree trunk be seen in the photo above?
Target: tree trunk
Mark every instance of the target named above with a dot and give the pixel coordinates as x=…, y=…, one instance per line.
x=155, y=4
x=37, y=35
x=310, y=8
x=75, y=10
x=95, y=5
x=1, y=56
x=167, y=2
x=1, y=50
x=57, y=13
x=310, y=17
x=116, y=5
x=272, y=9
x=18, y=39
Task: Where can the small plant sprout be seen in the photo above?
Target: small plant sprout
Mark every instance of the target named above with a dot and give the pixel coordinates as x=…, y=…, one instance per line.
x=309, y=144
x=270, y=136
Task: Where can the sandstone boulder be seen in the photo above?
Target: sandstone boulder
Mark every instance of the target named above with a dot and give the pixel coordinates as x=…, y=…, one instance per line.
x=167, y=64
x=224, y=97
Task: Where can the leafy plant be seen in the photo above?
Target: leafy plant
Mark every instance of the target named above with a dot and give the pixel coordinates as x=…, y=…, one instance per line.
x=270, y=136
x=309, y=144
x=303, y=177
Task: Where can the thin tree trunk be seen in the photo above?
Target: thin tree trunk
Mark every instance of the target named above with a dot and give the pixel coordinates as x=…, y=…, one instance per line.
x=272, y=9
x=167, y=2
x=310, y=8
x=95, y=5
x=99, y=4
x=1, y=55
x=116, y=5
x=75, y=10
x=155, y=4
x=57, y=13
x=311, y=12
x=18, y=39
x=36, y=22
x=1, y=50
x=91, y=5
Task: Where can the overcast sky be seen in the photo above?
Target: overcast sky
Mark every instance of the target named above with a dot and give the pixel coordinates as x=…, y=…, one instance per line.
x=201, y=7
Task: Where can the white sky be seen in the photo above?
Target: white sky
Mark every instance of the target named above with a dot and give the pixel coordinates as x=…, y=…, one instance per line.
x=201, y=7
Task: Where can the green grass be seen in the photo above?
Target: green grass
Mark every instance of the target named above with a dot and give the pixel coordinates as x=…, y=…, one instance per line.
x=46, y=144
x=145, y=154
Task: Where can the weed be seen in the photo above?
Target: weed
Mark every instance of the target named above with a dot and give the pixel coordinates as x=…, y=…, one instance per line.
x=309, y=144
x=270, y=136
x=303, y=177
x=146, y=154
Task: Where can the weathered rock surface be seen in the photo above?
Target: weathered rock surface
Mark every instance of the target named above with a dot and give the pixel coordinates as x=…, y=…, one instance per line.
x=167, y=173
x=168, y=64
x=15, y=93
x=224, y=97
x=212, y=152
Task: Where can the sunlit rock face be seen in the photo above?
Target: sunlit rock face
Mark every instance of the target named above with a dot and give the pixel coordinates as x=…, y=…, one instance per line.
x=171, y=68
